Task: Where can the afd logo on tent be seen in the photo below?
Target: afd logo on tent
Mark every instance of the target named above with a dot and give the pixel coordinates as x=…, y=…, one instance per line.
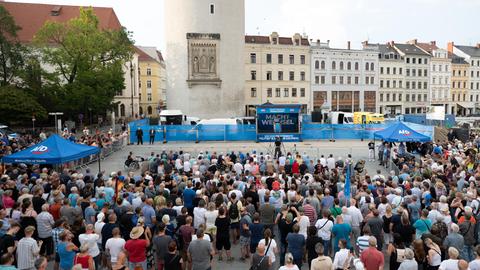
x=404, y=132
x=39, y=150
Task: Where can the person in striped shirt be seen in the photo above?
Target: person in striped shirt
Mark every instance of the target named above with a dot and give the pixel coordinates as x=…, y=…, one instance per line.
x=362, y=241
x=58, y=228
x=28, y=250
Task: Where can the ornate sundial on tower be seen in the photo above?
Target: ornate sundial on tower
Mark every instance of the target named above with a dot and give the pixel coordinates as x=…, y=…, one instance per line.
x=203, y=59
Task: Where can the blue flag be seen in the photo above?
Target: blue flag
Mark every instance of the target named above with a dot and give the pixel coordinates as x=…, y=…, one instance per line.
x=347, y=184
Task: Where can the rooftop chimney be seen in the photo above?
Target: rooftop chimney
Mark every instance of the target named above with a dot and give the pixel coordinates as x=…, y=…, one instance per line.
x=318, y=41
x=348, y=45
x=450, y=46
x=392, y=43
x=478, y=46
x=434, y=43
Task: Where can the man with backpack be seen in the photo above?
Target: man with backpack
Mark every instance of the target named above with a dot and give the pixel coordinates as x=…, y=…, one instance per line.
x=234, y=206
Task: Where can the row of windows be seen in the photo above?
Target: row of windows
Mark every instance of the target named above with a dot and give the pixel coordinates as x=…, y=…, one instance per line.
x=393, y=84
x=394, y=70
x=459, y=84
x=149, y=72
x=414, y=72
x=291, y=75
x=439, y=94
x=459, y=73
x=414, y=60
x=441, y=68
x=472, y=74
x=278, y=92
x=473, y=63
x=341, y=80
x=321, y=65
x=440, y=80
x=464, y=97
x=417, y=85
x=291, y=58
x=149, y=96
x=414, y=97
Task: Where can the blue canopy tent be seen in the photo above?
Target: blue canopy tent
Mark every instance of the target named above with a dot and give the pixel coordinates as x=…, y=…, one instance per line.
x=54, y=150
x=399, y=132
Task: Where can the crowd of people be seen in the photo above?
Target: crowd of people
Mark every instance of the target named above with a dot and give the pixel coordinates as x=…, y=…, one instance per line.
x=186, y=211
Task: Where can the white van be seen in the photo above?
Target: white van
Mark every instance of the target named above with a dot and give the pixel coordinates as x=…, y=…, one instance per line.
x=176, y=117
x=220, y=122
x=340, y=118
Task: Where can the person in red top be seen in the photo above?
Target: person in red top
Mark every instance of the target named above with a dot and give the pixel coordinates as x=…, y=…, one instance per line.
x=295, y=167
x=371, y=258
x=84, y=259
x=55, y=209
x=137, y=249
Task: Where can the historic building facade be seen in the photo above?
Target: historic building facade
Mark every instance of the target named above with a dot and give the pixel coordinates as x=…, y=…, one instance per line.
x=277, y=70
x=344, y=79
x=152, y=84
x=471, y=54
x=440, y=74
x=417, y=88
x=391, y=91
x=459, y=89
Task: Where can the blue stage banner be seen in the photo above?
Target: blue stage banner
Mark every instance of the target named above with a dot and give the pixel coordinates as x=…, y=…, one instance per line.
x=278, y=123
x=284, y=137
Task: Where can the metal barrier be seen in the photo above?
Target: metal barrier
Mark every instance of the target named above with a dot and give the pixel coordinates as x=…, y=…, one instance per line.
x=248, y=132
x=108, y=149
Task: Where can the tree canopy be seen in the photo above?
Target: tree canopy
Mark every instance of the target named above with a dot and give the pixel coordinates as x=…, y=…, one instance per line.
x=17, y=107
x=87, y=62
x=11, y=51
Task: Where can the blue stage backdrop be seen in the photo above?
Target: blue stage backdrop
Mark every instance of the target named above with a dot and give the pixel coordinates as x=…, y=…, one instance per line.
x=278, y=120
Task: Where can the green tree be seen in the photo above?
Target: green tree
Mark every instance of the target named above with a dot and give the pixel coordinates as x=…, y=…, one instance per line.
x=11, y=51
x=17, y=107
x=87, y=62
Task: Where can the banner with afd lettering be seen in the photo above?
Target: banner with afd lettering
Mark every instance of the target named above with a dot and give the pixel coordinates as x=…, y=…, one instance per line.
x=278, y=121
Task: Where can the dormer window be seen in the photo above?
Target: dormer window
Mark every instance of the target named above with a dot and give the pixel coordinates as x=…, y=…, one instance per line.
x=274, y=40
x=56, y=11
x=297, y=42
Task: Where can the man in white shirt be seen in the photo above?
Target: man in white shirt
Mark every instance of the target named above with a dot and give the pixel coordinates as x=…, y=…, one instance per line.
x=238, y=167
x=357, y=218
x=90, y=239
x=324, y=231
x=114, y=245
x=323, y=161
x=331, y=162
x=281, y=160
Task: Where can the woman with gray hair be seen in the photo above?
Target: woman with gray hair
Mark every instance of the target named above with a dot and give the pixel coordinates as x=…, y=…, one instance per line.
x=451, y=263
x=289, y=263
x=409, y=262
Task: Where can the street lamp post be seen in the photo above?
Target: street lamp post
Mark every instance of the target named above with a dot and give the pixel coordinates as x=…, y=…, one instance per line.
x=56, y=123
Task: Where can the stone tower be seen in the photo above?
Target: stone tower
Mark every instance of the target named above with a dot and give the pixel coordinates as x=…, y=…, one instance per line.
x=205, y=57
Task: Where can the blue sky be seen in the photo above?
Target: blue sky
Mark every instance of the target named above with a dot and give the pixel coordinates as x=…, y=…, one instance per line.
x=336, y=20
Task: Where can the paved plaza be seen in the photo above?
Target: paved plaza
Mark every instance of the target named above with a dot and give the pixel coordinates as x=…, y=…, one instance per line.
x=314, y=149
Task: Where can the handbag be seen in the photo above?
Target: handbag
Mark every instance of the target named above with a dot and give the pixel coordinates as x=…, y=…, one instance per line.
x=255, y=267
